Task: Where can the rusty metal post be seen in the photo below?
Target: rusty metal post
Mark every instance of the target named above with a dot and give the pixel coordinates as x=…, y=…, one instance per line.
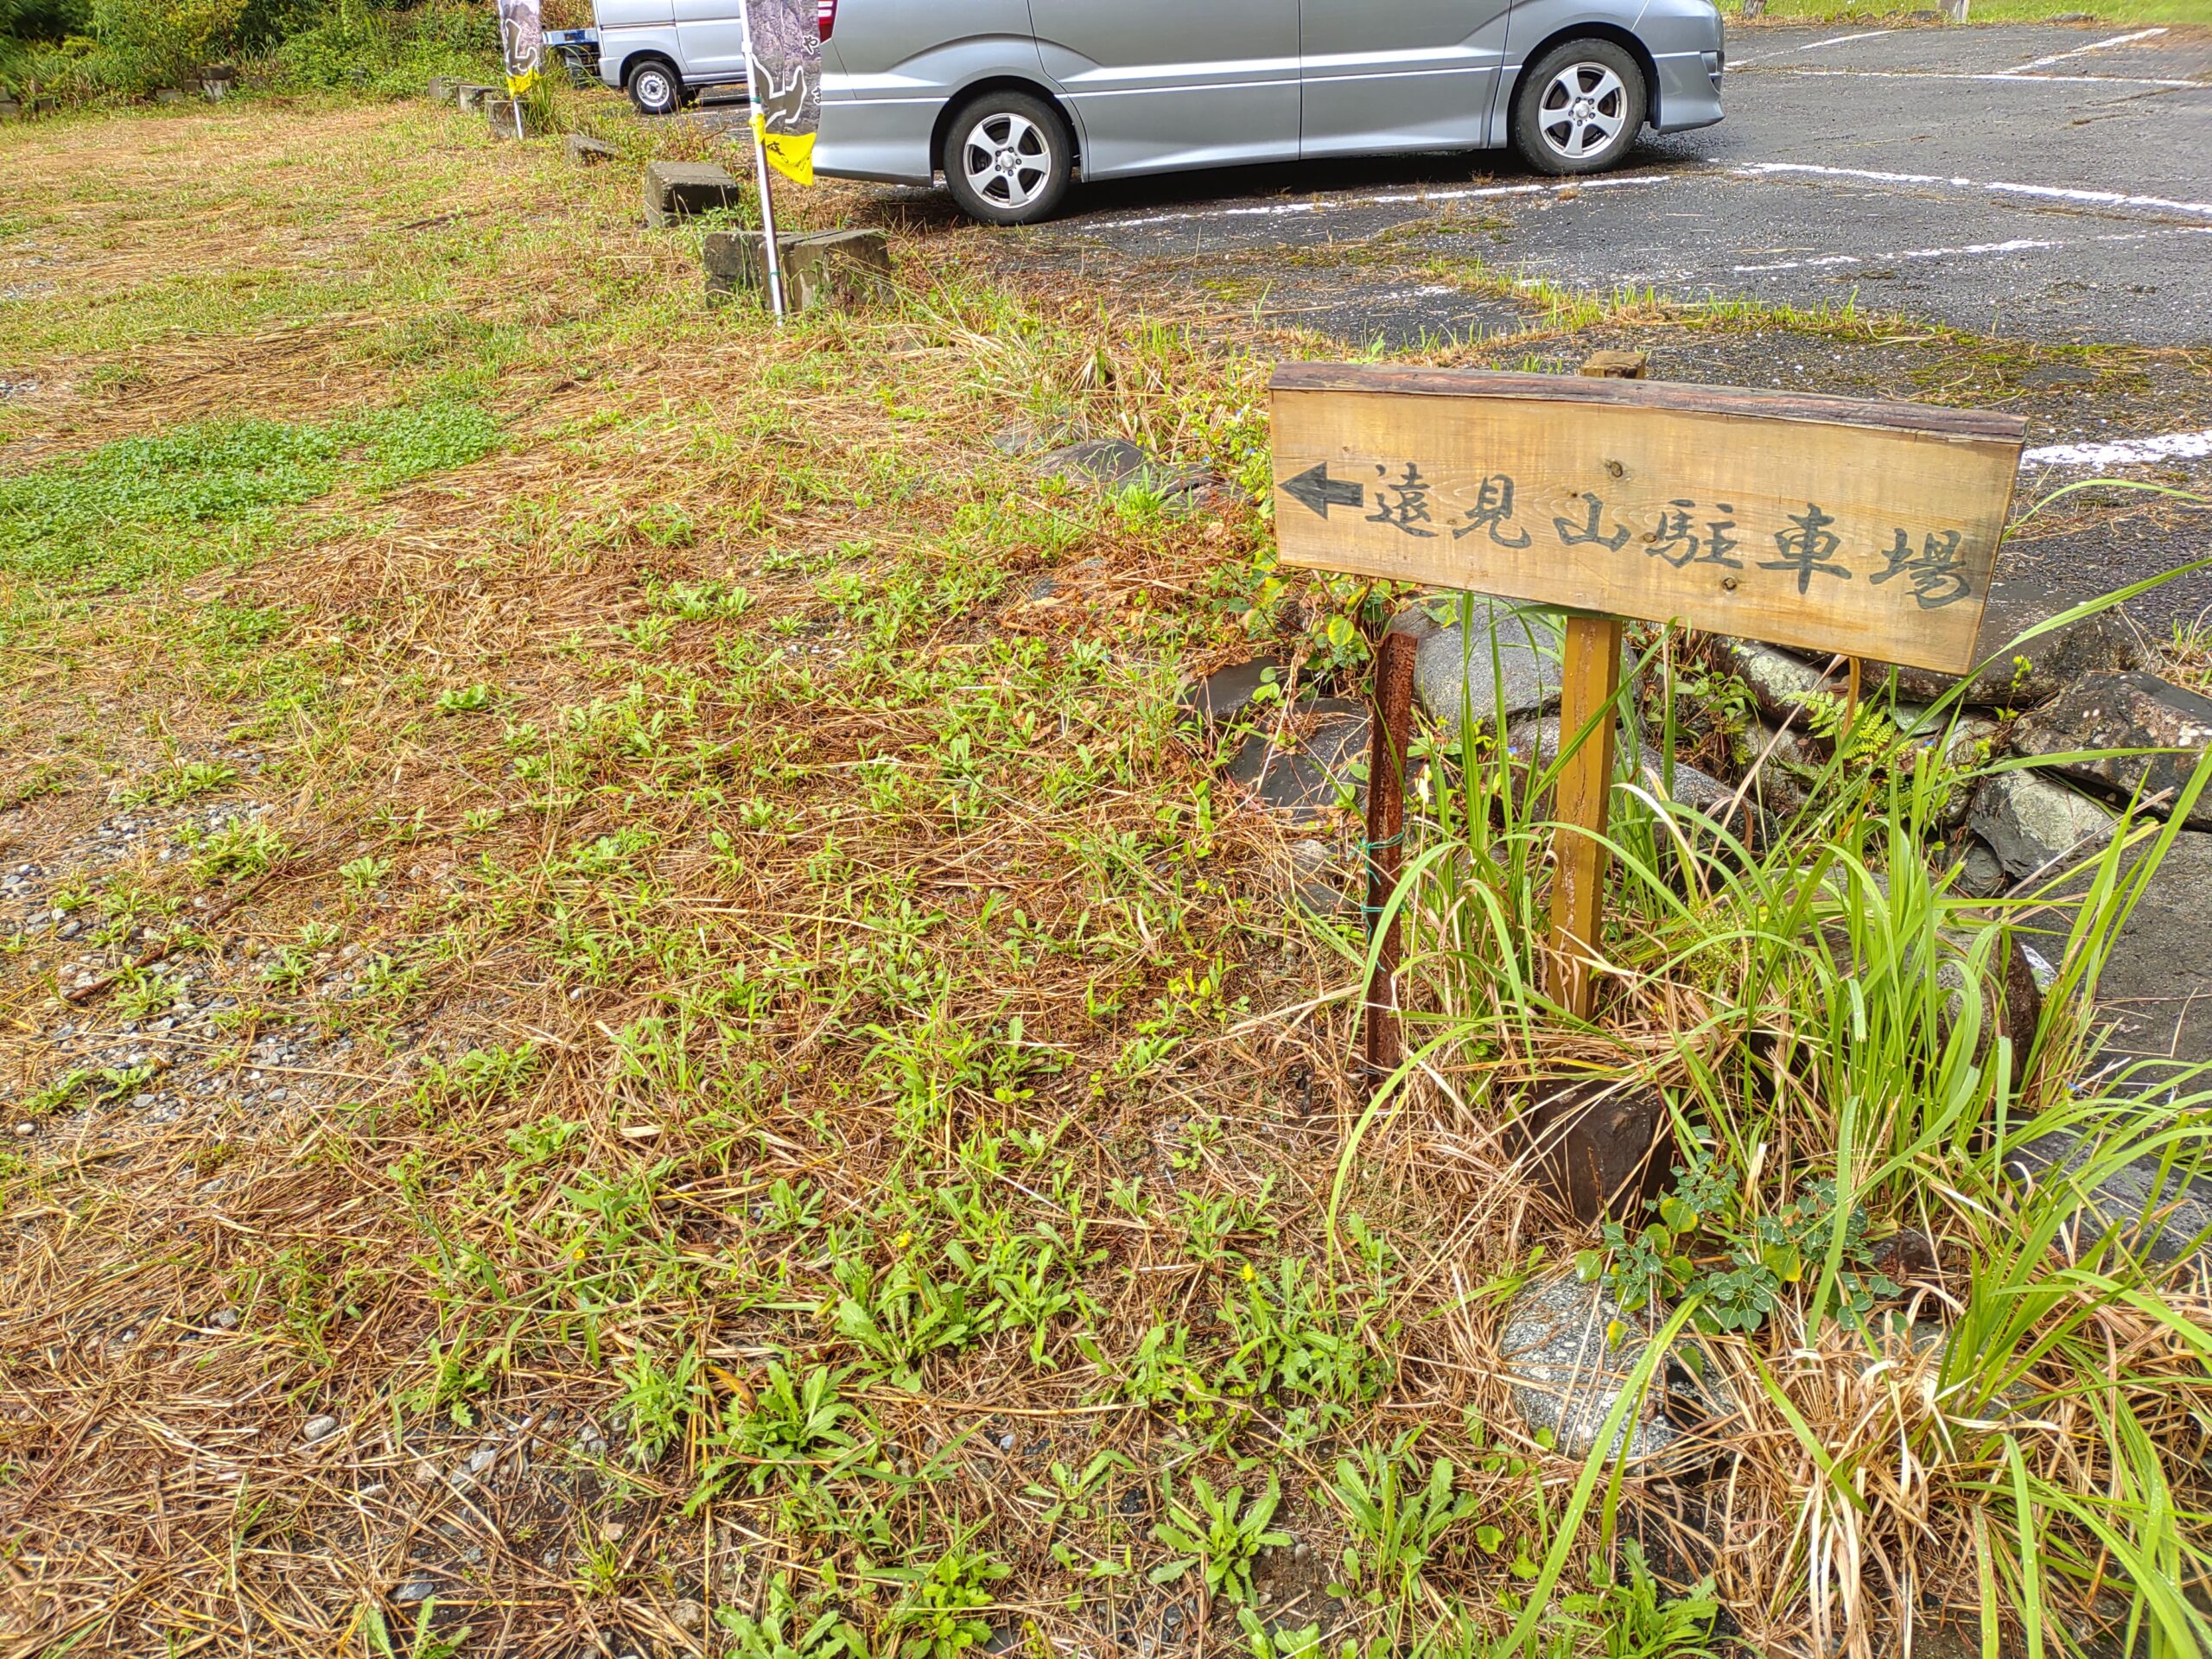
x=1390, y=728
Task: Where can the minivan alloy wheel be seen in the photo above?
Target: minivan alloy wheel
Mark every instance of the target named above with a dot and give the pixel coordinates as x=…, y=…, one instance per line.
x=1582, y=110
x=1007, y=160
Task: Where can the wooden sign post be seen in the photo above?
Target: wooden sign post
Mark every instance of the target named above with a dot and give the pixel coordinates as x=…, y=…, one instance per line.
x=1825, y=523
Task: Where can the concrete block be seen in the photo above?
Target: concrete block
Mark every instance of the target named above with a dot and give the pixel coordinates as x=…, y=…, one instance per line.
x=676, y=190
x=442, y=88
x=216, y=82
x=10, y=110
x=168, y=95
x=588, y=151
x=503, y=115
x=468, y=96
x=820, y=267
x=1614, y=365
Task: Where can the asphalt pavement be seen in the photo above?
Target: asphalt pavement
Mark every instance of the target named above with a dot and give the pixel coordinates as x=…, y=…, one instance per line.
x=2034, y=179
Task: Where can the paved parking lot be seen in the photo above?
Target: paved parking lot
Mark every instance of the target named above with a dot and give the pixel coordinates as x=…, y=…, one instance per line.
x=2041, y=181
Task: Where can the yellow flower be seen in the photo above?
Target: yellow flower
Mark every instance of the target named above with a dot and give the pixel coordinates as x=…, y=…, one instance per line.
x=1248, y=1274
x=905, y=1241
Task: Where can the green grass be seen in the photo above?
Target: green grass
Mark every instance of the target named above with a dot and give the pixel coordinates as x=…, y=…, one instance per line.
x=796, y=1027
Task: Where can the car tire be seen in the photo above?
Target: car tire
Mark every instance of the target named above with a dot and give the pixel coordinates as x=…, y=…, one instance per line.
x=1008, y=158
x=1578, y=107
x=654, y=87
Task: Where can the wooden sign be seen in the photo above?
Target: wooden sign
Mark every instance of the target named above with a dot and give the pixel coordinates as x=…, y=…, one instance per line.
x=1862, y=528
x=1869, y=530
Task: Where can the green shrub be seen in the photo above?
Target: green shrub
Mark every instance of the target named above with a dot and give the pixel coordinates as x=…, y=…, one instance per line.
x=150, y=43
x=377, y=51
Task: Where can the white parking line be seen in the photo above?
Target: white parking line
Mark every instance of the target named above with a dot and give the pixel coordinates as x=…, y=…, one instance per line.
x=1389, y=199
x=1569, y=187
x=2042, y=191
x=2122, y=452
x=2097, y=45
x=1966, y=250
x=1811, y=45
x=2002, y=76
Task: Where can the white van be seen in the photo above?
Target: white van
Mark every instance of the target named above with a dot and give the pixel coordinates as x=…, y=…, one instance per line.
x=664, y=53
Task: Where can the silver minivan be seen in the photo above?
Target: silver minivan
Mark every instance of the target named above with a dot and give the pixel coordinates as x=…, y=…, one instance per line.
x=1011, y=100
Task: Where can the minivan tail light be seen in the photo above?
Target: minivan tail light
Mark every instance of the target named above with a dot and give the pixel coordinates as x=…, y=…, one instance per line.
x=825, y=17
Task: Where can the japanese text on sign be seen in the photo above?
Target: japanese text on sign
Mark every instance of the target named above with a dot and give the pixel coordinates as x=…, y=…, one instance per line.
x=1870, y=529
x=1686, y=531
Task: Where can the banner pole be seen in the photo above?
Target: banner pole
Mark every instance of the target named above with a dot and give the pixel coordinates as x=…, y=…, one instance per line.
x=772, y=251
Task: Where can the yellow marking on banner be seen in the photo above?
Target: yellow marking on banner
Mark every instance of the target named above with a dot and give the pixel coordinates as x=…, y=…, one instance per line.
x=791, y=154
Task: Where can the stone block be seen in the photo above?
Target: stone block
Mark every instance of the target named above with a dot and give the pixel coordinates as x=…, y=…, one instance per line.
x=1308, y=771
x=168, y=95
x=1509, y=663
x=1614, y=365
x=1781, y=684
x=442, y=88
x=677, y=190
x=1602, y=1146
x=2025, y=676
x=10, y=110
x=512, y=118
x=467, y=95
x=2035, y=826
x=588, y=151
x=820, y=267
x=1569, y=1352
x=1228, y=695
x=2127, y=711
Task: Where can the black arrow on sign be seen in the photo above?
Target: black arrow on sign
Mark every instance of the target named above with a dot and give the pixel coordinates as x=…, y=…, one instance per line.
x=1320, y=492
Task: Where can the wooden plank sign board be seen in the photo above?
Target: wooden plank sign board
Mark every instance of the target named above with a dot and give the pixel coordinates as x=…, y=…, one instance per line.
x=1864, y=528
x=1825, y=522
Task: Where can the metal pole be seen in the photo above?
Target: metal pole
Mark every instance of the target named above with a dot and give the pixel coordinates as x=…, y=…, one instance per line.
x=772, y=251
x=1385, y=836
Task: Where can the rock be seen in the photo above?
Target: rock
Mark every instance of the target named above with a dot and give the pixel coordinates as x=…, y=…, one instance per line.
x=10, y=110
x=1614, y=365
x=1508, y=663
x=1781, y=765
x=319, y=1428
x=2095, y=643
x=1106, y=460
x=687, y=1615
x=224, y=1318
x=420, y=1587
x=2162, y=1206
x=2128, y=710
x=1417, y=622
x=2032, y=825
x=677, y=190
x=1980, y=876
x=1319, y=888
x=821, y=267
x=1565, y=1374
x=1118, y=464
x=1320, y=762
x=1228, y=694
x=1781, y=684
x=1601, y=1144
x=1538, y=741
x=588, y=151
x=513, y=118
x=2157, y=984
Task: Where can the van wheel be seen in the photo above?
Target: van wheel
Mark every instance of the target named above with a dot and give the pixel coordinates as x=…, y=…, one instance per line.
x=654, y=87
x=1578, y=107
x=1009, y=157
